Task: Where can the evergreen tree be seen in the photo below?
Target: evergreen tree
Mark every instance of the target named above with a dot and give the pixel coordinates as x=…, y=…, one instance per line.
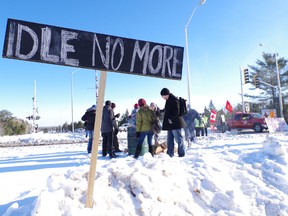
x=211, y=106
x=5, y=115
x=124, y=118
x=10, y=125
x=267, y=73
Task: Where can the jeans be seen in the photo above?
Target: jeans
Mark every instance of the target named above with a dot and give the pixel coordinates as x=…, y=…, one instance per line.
x=189, y=132
x=149, y=135
x=90, y=141
x=175, y=134
x=199, y=131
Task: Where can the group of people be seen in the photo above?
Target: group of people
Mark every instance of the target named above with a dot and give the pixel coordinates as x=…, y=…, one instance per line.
x=172, y=122
x=144, y=118
x=197, y=125
x=109, y=129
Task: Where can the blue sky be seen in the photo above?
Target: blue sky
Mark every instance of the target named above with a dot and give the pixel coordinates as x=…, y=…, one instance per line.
x=223, y=35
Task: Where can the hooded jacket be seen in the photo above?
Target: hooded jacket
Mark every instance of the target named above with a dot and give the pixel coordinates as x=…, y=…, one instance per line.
x=190, y=117
x=89, y=118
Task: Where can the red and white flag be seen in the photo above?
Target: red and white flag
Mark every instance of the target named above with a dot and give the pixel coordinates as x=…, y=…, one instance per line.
x=213, y=116
x=229, y=107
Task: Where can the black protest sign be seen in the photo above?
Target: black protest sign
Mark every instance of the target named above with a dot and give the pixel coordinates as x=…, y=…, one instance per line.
x=62, y=46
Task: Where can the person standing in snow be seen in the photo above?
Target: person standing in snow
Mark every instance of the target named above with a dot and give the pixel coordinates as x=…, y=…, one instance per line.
x=133, y=114
x=144, y=118
x=89, y=119
x=189, y=119
x=115, y=130
x=173, y=123
x=205, y=122
x=156, y=130
x=107, y=130
x=199, y=126
x=223, y=123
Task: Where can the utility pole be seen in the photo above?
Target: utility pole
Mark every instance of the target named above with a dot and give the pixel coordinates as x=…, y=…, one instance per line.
x=241, y=83
x=34, y=108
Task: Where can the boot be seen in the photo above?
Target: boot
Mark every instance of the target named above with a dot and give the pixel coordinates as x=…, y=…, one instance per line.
x=151, y=150
x=112, y=154
x=118, y=150
x=137, y=152
x=104, y=153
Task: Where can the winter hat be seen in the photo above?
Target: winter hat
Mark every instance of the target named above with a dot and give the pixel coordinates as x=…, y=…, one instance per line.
x=153, y=104
x=136, y=105
x=141, y=102
x=108, y=103
x=113, y=105
x=93, y=107
x=165, y=91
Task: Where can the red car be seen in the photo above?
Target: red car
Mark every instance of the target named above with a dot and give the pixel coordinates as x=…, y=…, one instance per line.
x=242, y=121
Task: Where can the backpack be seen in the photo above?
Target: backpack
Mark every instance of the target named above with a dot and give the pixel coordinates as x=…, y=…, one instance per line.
x=182, y=107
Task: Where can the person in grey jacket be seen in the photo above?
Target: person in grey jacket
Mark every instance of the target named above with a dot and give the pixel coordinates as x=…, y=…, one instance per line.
x=190, y=121
x=107, y=130
x=173, y=123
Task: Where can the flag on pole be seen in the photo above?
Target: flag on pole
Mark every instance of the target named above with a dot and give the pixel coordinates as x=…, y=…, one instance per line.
x=213, y=116
x=229, y=107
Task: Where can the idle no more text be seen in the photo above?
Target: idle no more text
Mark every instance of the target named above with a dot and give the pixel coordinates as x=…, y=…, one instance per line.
x=62, y=46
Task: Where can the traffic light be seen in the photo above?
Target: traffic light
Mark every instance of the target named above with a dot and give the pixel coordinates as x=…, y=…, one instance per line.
x=256, y=81
x=246, y=76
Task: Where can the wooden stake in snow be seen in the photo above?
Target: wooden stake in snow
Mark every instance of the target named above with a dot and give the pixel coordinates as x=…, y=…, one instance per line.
x=94, y=153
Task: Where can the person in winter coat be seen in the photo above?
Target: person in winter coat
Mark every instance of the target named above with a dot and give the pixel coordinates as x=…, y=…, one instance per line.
x=89, y=119
x=173, y=123
x=205, y=122
x=144, y=118
x=199, y=126
x=107, y=130
x=189, y=119
x=132, y=117
x=157, y=113
x=115, y=130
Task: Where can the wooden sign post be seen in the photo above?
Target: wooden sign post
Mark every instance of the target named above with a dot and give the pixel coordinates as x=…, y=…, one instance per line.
x=96, y=138
x=68, y=47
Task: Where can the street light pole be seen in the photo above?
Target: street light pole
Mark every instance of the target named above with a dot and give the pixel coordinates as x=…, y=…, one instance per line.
x=187, y=52
x=278, y=79
x=72, y=103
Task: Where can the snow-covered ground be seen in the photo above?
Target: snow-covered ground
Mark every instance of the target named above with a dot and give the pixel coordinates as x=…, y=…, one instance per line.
x=222, y=174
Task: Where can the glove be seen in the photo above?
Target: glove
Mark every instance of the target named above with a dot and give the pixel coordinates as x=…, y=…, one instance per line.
x=169, y=121
x=137, y=134
x=117, y=116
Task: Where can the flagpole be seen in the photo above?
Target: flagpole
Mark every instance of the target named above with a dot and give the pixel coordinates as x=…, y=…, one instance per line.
x=187, y=53
x=241, y=83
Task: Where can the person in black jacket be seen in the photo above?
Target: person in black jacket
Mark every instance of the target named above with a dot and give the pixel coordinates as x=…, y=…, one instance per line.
x=107, y=130
x=89, y=119
x=173, y=123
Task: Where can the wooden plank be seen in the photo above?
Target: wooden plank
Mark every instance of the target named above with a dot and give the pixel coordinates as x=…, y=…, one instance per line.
x=68, y=47
x=96, y=138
